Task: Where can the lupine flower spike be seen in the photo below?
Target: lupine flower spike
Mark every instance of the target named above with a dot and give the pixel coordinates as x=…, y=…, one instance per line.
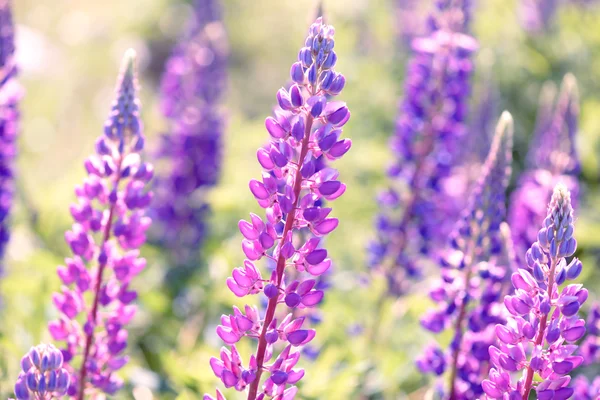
x=43, y=376
x=109, y=228
x=192, y=88
x=474, y=272
x=540, y=335
x=552, y=158
x=10, y=95
x=418, y=212
x=306, y=126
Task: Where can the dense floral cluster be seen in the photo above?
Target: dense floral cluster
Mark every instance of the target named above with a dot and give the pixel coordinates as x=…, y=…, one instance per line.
x=306, y=126
x=473, y=277
x=418, y=211
x=540, y=335
x=43, y=376
x=552, y=158
x=109, y=228
x=192, y=87
x=10, y=94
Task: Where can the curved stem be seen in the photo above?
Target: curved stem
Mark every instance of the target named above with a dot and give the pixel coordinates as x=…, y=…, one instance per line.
x=540, y=335
x=458, y=327
x=94, y=311
x=289, y=223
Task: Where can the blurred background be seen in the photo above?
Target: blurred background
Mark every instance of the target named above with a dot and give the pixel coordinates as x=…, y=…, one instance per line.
x=69, y=52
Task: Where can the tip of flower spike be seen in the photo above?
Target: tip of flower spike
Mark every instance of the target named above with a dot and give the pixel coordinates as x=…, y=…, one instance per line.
x=128, y=63
x=569, y=84
x=503, y=141
x=320, y=10
x=561, y=194
x=505, y=123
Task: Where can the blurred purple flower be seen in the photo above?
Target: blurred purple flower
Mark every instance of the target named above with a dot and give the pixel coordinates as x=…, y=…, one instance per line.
x=590, y=347
x=418, y=212
x=552, y=158
x=585, y=389
x=192, y=88
x=543, y=326
x=306, y=126
x=10, y=95
x=474, y=277
x=109, y=228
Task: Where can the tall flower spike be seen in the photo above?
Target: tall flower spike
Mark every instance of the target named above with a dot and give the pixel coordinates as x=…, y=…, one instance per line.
x=42, y=376
x=474, y=277
x=192, y=88
x=539, y=337
x=418, y=211
x=109, y=227
x=552, y=158
x=10, y=95
x=306, y=126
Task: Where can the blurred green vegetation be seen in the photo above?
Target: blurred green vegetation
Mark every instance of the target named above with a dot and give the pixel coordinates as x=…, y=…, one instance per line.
x=70, y=51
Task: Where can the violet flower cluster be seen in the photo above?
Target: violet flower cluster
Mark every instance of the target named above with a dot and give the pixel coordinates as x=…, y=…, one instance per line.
x=10, y=95
x=109, y=228
x=552, y=159
x=192, y=88
x=418, y=212
x=474, y=276
x=539, y=337
x=43, y=376
x=306, y=126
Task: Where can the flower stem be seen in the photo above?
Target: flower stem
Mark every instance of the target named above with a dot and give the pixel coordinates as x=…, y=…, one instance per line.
x=289, y=223
x=94, y=312
x=458, y=327
x=540, y=336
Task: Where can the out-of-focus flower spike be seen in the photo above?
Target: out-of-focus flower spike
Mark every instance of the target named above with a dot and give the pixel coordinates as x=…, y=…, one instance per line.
x=192, y=89
x=479, y=251
x=419, y=210
x=552, y=159
x=553, y=146
x=10, y=95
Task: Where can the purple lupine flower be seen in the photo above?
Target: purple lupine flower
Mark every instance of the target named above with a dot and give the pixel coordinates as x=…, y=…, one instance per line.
x=42, y=376
x=10, y=95
x=192, y=88
x=305, y=127
x=552, y=158
x=474, y=277
x=590, y=347
x=540, y=334
x=417, y=211
x=109, y=228
x=584, y=389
